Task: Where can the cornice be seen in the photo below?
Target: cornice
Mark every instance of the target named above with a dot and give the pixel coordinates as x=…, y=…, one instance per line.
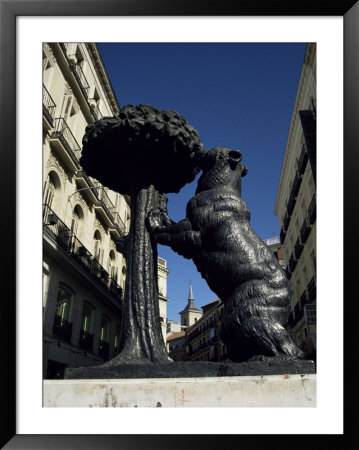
x=102, y=74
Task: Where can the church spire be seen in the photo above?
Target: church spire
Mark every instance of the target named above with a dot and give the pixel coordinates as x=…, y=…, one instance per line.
x=190, y=297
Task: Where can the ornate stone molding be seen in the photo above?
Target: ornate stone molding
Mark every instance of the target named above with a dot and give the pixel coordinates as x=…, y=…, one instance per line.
x=49, y=53
x=53, y=163
x=100, y=226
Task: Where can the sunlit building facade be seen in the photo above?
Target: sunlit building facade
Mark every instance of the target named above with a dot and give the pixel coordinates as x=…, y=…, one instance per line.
x=295, y=208
x=83, y=273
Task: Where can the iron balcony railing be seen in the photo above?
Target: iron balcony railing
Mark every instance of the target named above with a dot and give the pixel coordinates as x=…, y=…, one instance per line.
x=80, y=77
x=62, y=328
x=115, y=288
x=286, y=221
x=312, y=290
x=105, y=199
x=305, y=230
x=119, y=222
x=82, y=174
x=63, y=132
x=69, y=242
x=304, y=298
x=290, y=206
x=312, y=210
x=296, y=184
x=298, y=248
x=49, y=105
x=59, y=231
x=292, y=263
x=303, y=159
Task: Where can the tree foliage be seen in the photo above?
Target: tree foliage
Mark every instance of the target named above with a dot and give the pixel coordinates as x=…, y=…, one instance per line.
x=140, y=146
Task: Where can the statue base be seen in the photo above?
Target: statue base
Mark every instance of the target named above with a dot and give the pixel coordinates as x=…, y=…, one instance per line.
x=189, y=369
x=289, y=391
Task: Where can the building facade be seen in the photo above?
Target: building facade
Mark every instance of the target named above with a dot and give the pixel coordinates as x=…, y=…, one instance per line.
x=295, y=208
x=83, y=273
x=203, y=342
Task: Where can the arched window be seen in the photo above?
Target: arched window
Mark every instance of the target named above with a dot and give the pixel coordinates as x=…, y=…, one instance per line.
x=112, y=267
x=97, y=252
x=52, y=188
x=77, y=220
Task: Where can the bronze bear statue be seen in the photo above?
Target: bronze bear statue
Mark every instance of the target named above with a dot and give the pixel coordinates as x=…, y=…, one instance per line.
x=234, y=261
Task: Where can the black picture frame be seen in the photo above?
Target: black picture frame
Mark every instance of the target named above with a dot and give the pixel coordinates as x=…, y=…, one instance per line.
x=9, y=10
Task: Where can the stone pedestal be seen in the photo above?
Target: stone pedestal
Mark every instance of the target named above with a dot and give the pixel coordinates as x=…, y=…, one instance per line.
x=236, y=391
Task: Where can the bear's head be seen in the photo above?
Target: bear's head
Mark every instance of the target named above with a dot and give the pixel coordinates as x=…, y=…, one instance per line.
x=221, y=166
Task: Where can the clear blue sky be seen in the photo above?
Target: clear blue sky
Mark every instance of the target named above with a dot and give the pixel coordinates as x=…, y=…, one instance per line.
x=239, y=96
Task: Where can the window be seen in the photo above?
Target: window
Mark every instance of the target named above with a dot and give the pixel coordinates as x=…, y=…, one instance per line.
x=62, y=325
x=86, y=338
x=105, y=328
x=104, y=346
x=86, y=319
x=51, y=188
x=112, y=266
x=97, y=253
x=77, y=219
x=63, y=303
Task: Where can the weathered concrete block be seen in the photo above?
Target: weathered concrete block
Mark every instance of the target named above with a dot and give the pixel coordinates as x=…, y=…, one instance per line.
x=243, y=391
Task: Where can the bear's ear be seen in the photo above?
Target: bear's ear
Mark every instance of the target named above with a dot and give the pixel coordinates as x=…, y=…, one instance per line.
x=244, y=171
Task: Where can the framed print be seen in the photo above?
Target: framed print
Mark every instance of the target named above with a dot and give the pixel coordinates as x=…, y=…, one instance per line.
x=24, y=27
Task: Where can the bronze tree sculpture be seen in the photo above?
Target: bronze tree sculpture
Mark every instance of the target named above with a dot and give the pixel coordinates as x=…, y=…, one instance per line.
x=141, y=152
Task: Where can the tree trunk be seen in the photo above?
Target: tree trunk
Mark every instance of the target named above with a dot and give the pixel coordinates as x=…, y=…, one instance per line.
x=141, y=338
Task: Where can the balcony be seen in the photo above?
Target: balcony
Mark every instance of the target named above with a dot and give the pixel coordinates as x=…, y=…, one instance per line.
x=303, y=159
x=290, y=205
x=66, y=145
x=86, y=340
x=84, y=182
x=62, y=328
x=48, y=108
x=98, y=272
x=286, y=221
x=312, y=210
x=104, y=349
x=74, y=248
x=58, y=230
x=305, y=230
x=298, y=248
x=304, y=298
x=296, y=184
x=115, y=289
x=118, y=222
x=80, y=77
x=292, y=263
x=312, y=290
